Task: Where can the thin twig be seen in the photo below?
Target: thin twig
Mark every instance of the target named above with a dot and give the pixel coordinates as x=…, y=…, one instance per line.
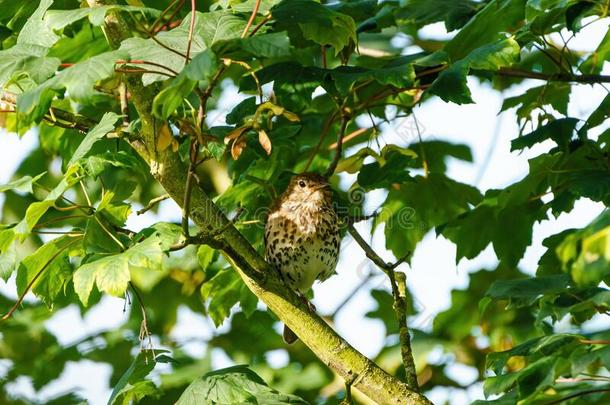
x=577, y=394
x=152, y=29
x=75, y=121
x=324, y=63
x=339, y=149
x=146, y=62
x=191, y=29
x=139, y=70
x=260, y=24
x=350, y=136
x=112, y=236
x=152, y=203
x=556, y=77
x=208, y=238
x=421, y=146
x=252, y=17
x=325, y=130
x=82, y=186
x=400, y=305
x=54, y=220
x=162, y=45
x=595, y=342
x=68, y=233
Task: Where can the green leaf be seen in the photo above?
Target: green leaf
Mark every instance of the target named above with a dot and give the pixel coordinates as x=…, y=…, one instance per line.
x=353, y=163
x=132, y=386
x=223, y=291
x=384, y=310
x=105, y=126
x=398, y=73
x=586, y=253
x=437, y=152
x=600, y=114
x=274, y=45
x=234, y=385
x=454, y=13
x=510, y=246
x=470, y=231
x=220, y=25
x=77, y=80
x=393, y=169
x=201, y=67
x=528, y=288
x=594, y=63
x=111, y=274
x=43, y=26
x=47, y=270
x=560, y=131
x=555, y=94
x=316, y=23
x=36, y=31
x=22, y=185
x=451, y=83
x=205, y=255
x=411, y=210
x=176, y=39
x=27, y=58
x=36, y=210
x=496, y=17
x=8, y=254
x=558, y=344
x=531, y=380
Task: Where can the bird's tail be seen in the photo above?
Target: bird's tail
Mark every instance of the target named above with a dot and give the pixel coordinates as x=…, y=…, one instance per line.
x=289, y=336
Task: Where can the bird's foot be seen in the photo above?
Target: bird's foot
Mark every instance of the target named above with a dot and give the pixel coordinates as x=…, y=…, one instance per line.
x=303, y=298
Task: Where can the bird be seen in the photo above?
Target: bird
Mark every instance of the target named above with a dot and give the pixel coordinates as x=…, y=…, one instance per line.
x=302, y=237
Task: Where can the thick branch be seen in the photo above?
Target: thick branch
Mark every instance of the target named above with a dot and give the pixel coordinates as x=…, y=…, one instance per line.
x=329, y=347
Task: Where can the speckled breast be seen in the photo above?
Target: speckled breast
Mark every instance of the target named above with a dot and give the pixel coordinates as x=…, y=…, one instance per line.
x=303, y=246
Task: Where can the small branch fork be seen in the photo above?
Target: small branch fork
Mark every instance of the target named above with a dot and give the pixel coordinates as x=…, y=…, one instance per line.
x=399, y=292
x=207, y=238
x=151, y=204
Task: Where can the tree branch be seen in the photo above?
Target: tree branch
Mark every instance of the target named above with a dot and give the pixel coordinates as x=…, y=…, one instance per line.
x=339, y=148
x=399, y=293
x=258, y=275
x=68, y=120
x=555, y=77
x=152, y=203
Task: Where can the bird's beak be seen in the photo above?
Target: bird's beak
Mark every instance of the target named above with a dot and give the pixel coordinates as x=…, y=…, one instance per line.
x=323, y=186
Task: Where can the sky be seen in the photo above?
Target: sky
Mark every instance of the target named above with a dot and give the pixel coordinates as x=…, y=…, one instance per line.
x=433, y=272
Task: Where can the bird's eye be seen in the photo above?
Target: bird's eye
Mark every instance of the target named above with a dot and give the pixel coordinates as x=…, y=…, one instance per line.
x=301, y=183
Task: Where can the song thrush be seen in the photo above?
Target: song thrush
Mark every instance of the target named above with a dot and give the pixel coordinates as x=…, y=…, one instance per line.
x=302, y=235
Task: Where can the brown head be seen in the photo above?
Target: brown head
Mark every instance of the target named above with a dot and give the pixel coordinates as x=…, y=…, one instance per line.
x=307, y=190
